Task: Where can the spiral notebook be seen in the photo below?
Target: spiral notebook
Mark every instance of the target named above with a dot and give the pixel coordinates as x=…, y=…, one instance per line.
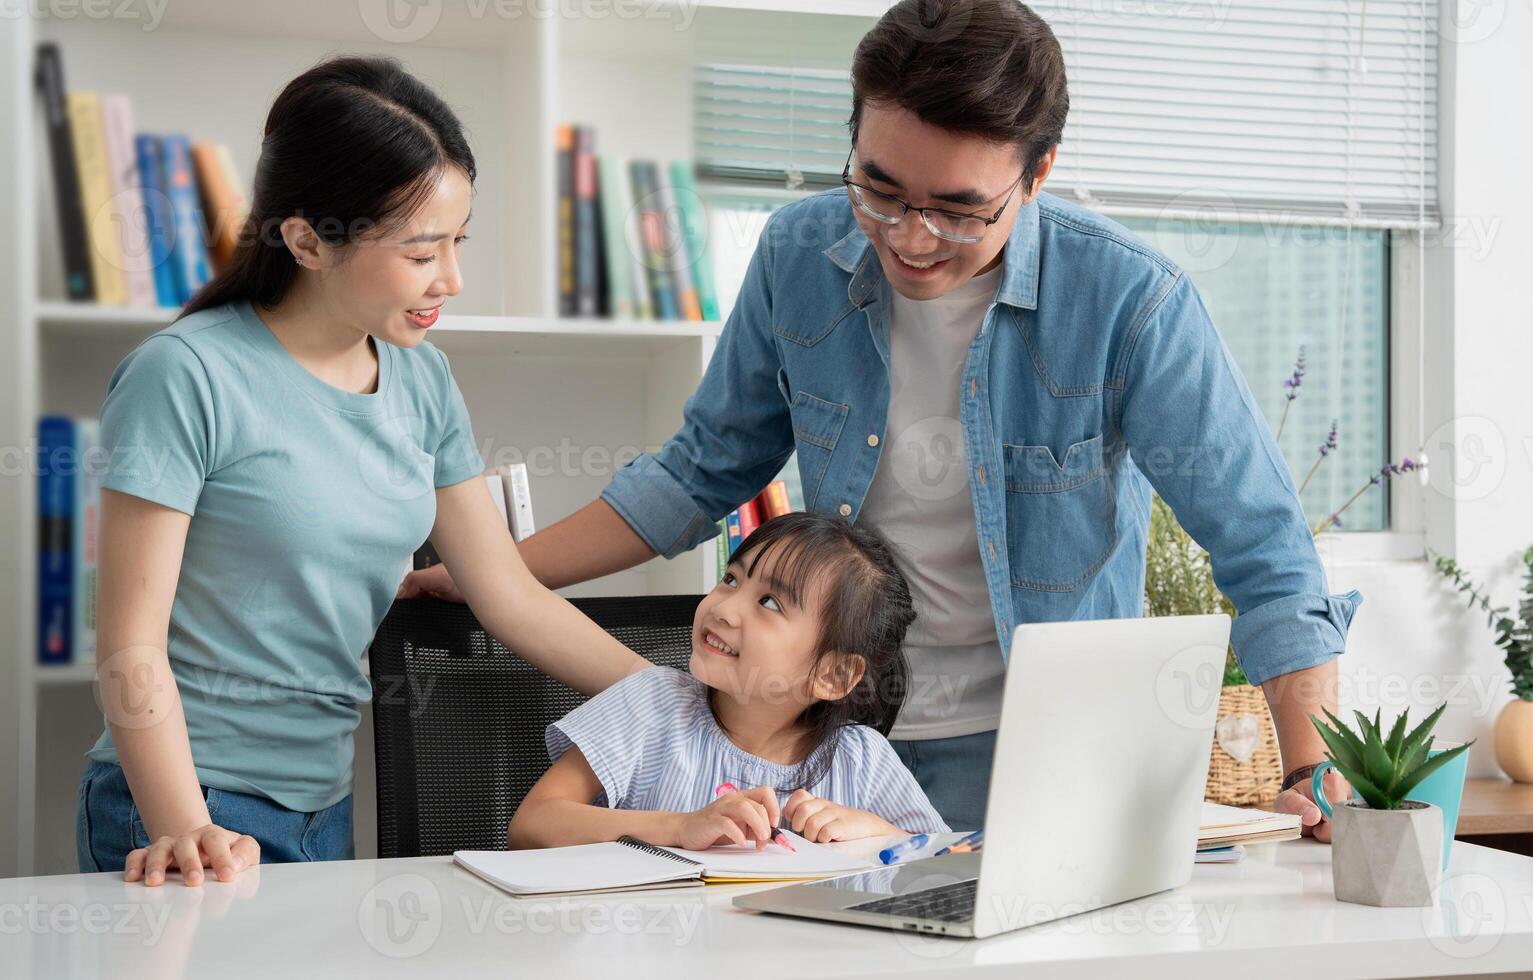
x=630, y=864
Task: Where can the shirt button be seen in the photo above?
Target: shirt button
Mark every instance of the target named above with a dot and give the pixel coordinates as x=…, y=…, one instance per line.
x=973, y=386
x=982, y=474
x=845, y=510
x=992, y=552
x=872, y=440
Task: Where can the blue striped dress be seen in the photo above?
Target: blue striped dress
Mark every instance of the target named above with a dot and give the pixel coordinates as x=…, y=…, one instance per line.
x=654, y=745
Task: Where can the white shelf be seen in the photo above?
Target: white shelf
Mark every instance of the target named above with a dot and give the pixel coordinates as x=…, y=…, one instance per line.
x=465, y=333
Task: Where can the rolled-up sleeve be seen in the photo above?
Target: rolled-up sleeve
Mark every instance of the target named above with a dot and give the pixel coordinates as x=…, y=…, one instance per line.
x=736, y=433
x=1185, y=399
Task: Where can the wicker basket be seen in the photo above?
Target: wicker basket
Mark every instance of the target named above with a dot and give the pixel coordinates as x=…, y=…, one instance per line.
x=1258, y=778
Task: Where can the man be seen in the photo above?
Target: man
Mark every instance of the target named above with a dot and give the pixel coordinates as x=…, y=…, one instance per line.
x=995, y=379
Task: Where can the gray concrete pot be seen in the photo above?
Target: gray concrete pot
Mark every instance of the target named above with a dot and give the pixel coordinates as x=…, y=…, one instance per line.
x=1387, y=858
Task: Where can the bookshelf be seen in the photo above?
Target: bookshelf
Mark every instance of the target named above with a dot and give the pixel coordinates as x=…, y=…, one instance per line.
x=576, y=394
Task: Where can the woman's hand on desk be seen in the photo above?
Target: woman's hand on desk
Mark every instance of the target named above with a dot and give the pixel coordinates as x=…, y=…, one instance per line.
x=433, y=582
x=743, y=817
x=209, y=846
x=1297, y=799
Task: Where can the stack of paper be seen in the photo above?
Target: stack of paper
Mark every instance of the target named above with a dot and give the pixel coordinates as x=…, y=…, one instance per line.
x=1221, y=825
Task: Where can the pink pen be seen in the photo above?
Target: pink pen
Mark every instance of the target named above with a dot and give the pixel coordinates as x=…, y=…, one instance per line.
x=778, y=838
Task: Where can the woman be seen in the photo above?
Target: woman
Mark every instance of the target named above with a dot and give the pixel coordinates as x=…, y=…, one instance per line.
x=277, y=454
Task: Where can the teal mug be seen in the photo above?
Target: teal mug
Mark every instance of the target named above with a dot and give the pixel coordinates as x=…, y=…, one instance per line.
x=1443, y=789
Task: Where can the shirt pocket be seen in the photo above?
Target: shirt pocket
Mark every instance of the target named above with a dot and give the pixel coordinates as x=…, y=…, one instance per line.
x=817, y=425
x=1060, y=516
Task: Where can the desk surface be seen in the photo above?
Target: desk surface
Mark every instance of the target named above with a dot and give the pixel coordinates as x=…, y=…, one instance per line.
x=1272, y=914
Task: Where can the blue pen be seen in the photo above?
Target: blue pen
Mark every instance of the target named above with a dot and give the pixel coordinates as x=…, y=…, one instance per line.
x=975, y=838
x=894, y=852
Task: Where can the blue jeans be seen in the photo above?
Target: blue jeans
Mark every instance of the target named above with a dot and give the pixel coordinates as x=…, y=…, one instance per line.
x=954, y=773
x=107, y=824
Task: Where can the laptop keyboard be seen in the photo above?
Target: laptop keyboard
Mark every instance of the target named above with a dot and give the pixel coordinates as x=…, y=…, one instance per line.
x=949, y=903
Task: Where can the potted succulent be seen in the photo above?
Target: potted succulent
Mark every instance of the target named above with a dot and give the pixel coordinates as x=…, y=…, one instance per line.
x=1514, y=725
x=1386, y=850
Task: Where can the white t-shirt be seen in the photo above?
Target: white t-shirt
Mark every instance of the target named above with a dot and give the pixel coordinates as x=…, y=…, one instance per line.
x=920, y=500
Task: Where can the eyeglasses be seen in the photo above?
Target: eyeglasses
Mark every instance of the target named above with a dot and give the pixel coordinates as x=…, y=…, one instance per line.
x=951, y=226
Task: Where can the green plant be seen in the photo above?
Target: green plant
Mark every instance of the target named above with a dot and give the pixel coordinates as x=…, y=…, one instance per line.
x=1179, y=581
x=1515, y=636
x=1381, y=769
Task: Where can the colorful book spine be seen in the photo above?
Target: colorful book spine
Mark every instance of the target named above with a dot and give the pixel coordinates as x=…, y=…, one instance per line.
x=722, y=548
x=96, y=197
x=750, y=518
x=773, y=501
x=612, y=181
x=652, y=224
x=586, y=244
x=189, y=254
x=86, y=538
x=732, y=530
x=676, y=249
x=129, y=223
x=78, y=284
x=694, y=226
x=158, y=223
x=223, y=201
x=564, y=168
x=56, y=471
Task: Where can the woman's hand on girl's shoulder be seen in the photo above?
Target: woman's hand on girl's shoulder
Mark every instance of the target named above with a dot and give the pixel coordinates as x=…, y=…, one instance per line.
x=822, y=821
x=209, y=846
x=744, y=817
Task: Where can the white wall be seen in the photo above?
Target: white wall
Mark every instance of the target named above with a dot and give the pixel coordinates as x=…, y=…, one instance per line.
x=1412, y=644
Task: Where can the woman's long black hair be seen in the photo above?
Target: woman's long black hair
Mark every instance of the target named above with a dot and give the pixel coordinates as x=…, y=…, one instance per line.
x=865, y=609
x=350, y=145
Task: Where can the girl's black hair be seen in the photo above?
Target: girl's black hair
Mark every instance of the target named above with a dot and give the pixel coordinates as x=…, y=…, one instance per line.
x=352, y=144
x=865, y=609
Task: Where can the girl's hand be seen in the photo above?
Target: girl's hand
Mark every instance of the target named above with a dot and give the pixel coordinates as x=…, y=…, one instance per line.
x=209, y=846
x=822, y=821
x=745, y=817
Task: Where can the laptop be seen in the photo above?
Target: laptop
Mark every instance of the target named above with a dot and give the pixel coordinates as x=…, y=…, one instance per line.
x=1100, y=761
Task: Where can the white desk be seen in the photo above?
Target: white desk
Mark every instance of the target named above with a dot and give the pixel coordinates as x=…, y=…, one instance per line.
x=1271, y=915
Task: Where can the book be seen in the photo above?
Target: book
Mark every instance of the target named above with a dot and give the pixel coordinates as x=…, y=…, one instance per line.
x=732, y=530
x=630, y=864
x=612, y=185
x=694, y=227
x=519, y=501
x=78, y=284
x=1220, y=825
x=96, y=198
x=773, y=501
x=564, y=245
x=189, y=251
x=586, y=244
x=55, y=538
x=86, y=538
x=676, y=248
x=158, y=224
x=750, y=518
x=223, y=201
x=723, y=549
x=652, y=239
x=494, y=481
x=129, y=223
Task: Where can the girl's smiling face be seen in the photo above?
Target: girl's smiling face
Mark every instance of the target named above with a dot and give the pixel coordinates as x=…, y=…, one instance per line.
x=755, y=637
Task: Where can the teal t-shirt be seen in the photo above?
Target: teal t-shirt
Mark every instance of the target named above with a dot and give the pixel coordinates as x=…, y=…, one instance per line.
x=306, y=503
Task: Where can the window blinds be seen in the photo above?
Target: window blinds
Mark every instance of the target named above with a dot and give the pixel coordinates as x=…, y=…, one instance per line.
x=1309, y=111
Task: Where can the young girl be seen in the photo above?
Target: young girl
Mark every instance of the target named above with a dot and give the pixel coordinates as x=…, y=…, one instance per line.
x=796, y=677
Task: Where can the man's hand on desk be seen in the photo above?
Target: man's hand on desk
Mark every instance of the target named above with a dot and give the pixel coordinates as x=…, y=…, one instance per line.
x=1298, y=799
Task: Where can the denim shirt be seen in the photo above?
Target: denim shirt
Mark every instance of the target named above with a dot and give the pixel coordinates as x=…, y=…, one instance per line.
x=1097, y=374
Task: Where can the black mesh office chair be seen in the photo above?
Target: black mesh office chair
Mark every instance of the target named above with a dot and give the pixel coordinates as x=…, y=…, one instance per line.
x=458, y=721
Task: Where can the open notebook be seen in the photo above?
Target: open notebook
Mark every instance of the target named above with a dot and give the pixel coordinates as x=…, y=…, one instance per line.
x=1220, y=825
x=630, y=864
